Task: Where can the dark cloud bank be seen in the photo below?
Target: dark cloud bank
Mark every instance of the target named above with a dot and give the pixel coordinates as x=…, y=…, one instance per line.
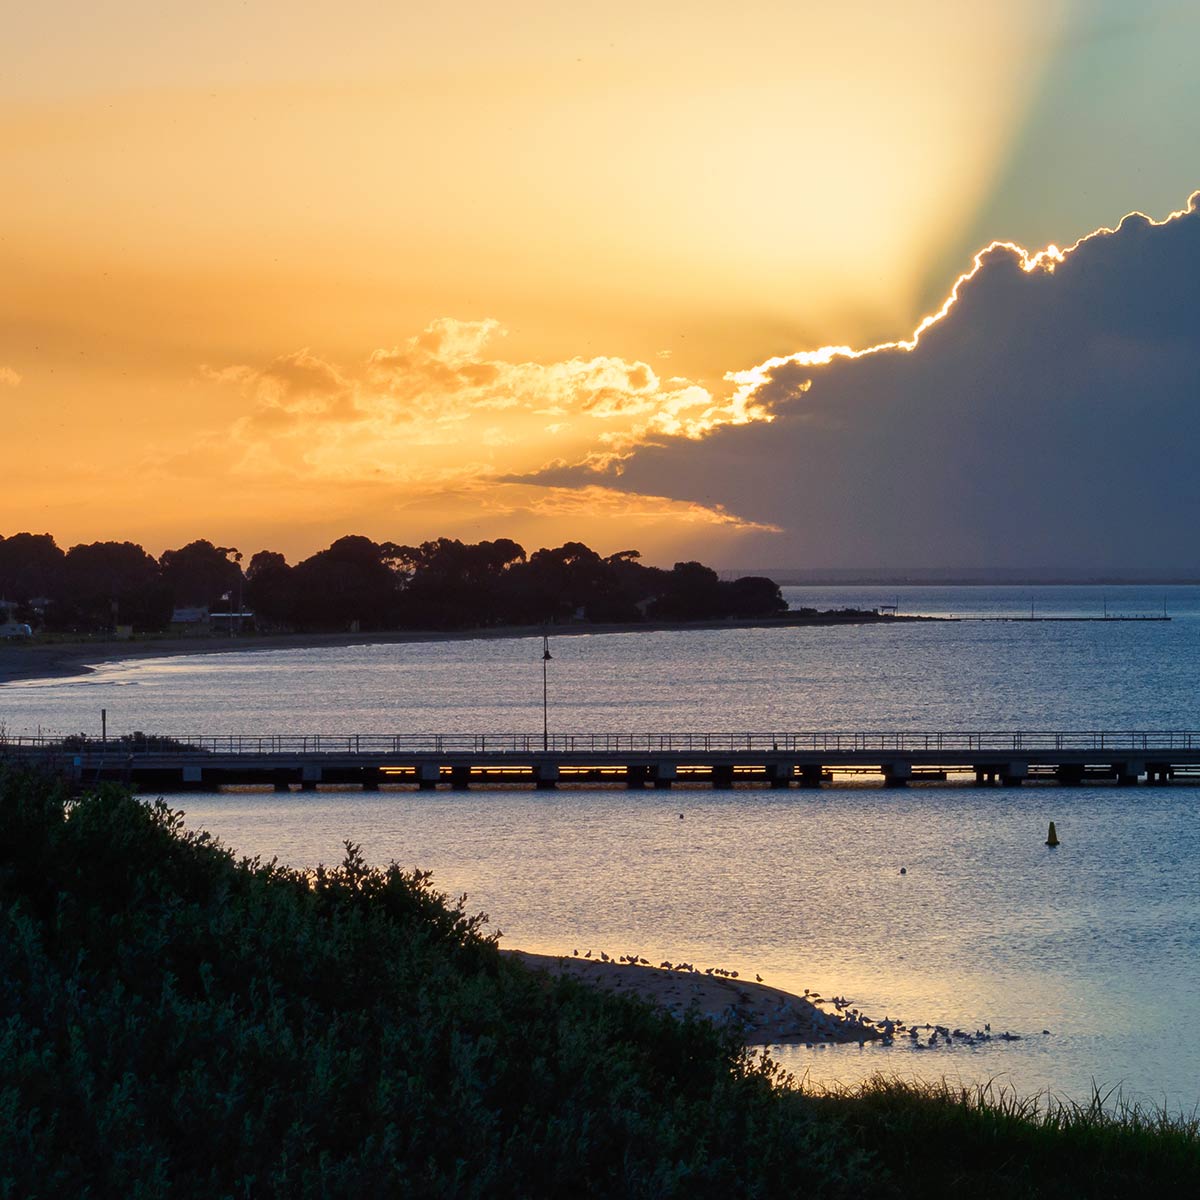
x=1049, y=419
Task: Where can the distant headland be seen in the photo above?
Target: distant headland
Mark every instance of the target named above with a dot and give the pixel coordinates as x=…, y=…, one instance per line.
x=355, y=585
x=67, y=610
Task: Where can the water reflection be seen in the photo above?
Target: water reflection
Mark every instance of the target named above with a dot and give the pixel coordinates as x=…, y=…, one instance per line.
x=1093, y=942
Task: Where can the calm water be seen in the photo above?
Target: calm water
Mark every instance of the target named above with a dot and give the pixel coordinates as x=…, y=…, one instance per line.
x=1097, y=942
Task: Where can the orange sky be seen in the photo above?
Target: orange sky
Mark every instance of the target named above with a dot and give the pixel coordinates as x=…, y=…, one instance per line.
x=271, y=276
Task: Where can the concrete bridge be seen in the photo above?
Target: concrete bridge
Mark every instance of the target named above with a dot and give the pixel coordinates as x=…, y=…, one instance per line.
x=721, y=760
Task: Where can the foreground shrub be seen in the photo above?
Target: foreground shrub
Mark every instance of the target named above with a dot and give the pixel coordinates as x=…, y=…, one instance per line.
x=175, y=1022
x=952, y=1141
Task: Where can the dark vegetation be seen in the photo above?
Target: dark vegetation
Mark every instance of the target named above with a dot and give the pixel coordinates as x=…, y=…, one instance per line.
x=358, y=583
x=174, y=1022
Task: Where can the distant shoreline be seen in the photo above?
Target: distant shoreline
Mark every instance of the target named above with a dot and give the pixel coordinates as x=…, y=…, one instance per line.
x=57, y=660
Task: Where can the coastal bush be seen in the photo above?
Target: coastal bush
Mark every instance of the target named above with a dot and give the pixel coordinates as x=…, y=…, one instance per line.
x=173, y=1021
x=176, y=1022
x=953, y=1141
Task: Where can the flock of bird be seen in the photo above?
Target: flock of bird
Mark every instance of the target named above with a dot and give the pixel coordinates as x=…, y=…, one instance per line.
x=635, y=960
x=812, y=1023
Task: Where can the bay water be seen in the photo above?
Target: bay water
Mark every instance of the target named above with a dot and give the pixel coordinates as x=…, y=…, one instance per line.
x=1097, y=943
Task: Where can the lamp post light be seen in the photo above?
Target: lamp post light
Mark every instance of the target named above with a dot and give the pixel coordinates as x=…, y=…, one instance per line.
x=546, y=657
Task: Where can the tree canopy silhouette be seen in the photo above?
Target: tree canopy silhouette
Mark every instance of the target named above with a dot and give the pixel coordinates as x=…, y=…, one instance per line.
x=202, y=574
x=357, y=583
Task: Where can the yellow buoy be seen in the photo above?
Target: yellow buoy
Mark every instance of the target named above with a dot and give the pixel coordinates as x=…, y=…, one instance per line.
x=1052, y=836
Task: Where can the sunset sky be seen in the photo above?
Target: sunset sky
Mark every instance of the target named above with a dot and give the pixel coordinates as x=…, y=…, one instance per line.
x=273, y=273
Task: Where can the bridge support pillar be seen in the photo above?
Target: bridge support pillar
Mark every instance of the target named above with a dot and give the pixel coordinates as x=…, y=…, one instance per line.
x=370, y=780
x=1158, y=773
x=984, y=776
x=809, y=775
x=1013, y=774
x=460, y=778
x=428, y=774
x=1069, y=774
x=545, y=775
x=191, y=779
x=663, y=774
x=310, y=776
x=897, y=774
x=722, y=775
x=779, y=775
x=1129, y=772
x=636, y=776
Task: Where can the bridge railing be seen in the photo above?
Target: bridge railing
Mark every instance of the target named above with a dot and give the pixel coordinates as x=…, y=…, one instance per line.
x=375, y=744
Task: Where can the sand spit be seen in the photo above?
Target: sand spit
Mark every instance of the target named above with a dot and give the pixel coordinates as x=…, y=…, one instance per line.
x=764, y=1014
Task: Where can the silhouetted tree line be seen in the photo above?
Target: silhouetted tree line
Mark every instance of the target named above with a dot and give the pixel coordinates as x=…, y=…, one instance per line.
x=442, y=584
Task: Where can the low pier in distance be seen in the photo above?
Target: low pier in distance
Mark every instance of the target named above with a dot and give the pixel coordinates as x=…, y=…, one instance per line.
x=720, y=760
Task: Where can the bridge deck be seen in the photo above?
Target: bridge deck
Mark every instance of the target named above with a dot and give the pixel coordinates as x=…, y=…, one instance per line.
x=636, y=760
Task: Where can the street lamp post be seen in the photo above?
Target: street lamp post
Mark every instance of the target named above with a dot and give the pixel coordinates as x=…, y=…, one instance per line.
x=546, y=656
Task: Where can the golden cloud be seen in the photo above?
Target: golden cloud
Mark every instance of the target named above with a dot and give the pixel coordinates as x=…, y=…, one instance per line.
x=443, y=404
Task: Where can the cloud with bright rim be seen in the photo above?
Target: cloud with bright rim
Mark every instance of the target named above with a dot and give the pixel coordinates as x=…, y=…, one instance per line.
x=1047, y=414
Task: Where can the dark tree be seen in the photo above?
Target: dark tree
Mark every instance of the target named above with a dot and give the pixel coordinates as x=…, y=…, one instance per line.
x=353, y=581
x=452, y=585
x=694, y=592
x=202, y=574
x=111, y=583
x=266, y=563
x=31, y=566
x=557, y=584
x=440, y=584
x=269, y=589
x=630, y=589
x=691, y=592
x=753, y=596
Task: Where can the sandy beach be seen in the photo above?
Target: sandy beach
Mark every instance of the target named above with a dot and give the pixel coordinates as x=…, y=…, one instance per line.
x=40, y=659
x=60, y=659
x=764, y=1014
